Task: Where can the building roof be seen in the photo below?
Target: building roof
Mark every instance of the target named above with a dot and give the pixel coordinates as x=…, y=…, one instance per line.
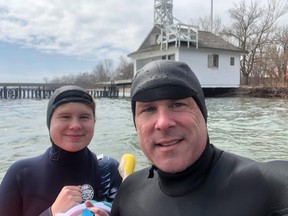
x=205, y=40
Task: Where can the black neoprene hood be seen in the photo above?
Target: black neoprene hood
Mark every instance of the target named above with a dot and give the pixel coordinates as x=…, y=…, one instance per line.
x=66, y=94
x=165, y=79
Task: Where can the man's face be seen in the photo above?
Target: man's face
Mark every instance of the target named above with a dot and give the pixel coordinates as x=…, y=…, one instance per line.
x=172, y=133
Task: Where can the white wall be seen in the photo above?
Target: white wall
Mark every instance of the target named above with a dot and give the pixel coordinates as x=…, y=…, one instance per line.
x=225, y=76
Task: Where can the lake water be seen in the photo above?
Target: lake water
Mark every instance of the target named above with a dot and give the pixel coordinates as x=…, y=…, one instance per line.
x=252, y=127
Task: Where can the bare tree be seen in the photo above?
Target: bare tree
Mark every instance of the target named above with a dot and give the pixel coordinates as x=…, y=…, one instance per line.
x=46, y=80
x=124, y=70
x=85, y=78
x=265, y=71
x=65, y=79
x=103, y=72
x=252, y=29
x=204, y=24
x=281, y=59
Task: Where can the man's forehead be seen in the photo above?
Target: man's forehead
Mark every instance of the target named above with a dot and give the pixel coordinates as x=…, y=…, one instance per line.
x=168, y=100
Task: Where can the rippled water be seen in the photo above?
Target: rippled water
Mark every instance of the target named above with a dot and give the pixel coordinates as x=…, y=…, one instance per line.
x=252, y=127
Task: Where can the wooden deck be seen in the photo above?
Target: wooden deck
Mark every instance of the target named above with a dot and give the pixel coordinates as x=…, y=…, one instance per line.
x=45, y=90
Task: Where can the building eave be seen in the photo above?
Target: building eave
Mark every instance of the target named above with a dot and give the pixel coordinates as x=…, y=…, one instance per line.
x=207, y=40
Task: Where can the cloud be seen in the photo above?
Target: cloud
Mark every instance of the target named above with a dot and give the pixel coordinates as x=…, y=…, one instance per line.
x=83, y=28
x=90, y=29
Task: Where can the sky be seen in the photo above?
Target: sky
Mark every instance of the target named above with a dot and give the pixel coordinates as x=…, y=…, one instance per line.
x=44, y=39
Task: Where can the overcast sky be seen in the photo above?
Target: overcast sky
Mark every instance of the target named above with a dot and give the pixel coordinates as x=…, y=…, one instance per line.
x=50, y=38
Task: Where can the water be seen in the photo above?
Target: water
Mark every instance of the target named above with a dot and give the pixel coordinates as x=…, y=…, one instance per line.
x=252, y=127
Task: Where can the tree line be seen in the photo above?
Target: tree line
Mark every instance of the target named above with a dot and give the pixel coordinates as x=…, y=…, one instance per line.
x=103, y=72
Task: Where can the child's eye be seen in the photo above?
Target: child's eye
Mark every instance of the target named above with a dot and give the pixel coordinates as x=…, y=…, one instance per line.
x=65, y=117
x=85, y=117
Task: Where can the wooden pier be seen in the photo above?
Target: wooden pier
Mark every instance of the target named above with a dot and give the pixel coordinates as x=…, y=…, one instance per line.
x=45, y=90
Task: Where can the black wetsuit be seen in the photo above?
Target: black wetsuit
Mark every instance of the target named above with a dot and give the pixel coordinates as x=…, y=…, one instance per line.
x=218, y=184
x=31, y=186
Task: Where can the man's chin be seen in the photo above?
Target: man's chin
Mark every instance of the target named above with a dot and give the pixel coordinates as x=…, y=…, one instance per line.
x=171, y=167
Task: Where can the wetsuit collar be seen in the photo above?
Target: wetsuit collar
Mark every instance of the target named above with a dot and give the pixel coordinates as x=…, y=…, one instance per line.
x=184, y=182
x=60, y=156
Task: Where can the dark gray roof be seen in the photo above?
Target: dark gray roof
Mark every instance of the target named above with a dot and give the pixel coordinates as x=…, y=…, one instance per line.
x=205, y=40
x=210, y=40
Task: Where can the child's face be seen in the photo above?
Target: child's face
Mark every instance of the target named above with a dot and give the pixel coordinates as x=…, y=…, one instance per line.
x=72, y=126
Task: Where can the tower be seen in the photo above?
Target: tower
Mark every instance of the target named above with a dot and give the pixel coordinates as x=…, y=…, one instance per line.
x=172, y=32
x=163, y=12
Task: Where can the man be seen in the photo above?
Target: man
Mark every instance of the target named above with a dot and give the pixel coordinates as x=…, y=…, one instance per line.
x=189, y=175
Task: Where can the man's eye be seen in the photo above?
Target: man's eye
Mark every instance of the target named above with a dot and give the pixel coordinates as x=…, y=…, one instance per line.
x=148, y=109
x=178, y=104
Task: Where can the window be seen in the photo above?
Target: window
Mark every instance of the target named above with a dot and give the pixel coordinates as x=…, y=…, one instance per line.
x=154, y=39
x=213, y=61
x=171, y=57
x=232, y=61
x=142, y=62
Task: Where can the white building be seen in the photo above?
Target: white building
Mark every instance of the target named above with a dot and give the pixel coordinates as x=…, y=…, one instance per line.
x=215, y=62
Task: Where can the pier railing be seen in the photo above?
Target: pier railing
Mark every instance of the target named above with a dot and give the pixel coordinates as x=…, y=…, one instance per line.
x=45, y=90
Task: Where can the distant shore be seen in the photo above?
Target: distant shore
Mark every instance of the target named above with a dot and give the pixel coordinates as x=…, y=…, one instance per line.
x=262, y=91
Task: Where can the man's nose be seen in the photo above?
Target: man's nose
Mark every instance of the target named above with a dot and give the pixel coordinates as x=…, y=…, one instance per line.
x=164, y=120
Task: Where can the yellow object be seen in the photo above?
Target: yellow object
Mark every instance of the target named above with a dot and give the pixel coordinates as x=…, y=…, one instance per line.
x=127, y=165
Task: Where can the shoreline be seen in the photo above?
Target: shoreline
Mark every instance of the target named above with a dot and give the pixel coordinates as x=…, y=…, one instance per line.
x=248, y=91
x=262, y=91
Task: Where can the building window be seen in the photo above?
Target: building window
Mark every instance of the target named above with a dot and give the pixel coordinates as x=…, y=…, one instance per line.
x=171, y=57
x=232, y=61
x=154, y=39
x=142, y=62
x=213, y=61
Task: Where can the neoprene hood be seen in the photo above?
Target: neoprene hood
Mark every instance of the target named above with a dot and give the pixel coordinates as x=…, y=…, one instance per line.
x=165, y=79
x=66, y=94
